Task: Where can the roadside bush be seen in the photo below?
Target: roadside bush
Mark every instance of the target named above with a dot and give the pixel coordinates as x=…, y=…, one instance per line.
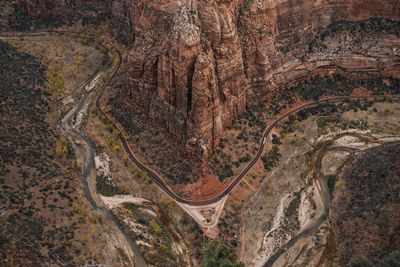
x=271, y=160
x=225, y=172
x=245, y=158
x=276, y=140
x=63, y=148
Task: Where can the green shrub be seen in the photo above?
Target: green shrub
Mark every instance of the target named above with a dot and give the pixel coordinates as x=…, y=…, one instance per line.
x=63, y=148
x=276, y=140
x=104, y=187
x=271, y=160
x=225, y=172
x=216, y=254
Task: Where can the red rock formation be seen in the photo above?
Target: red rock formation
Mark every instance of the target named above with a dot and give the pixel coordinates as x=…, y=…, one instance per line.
x=200, y=84
x=194, y=64
x=288, y=26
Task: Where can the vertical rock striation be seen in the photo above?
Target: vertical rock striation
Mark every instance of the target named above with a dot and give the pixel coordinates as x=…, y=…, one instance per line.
x=190, y=69
x=194, y=63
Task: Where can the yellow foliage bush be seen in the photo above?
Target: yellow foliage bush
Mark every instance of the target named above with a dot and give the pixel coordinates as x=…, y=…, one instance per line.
x=79, y=60
x=79, y=208
x=55, y=79
x=62, y=148
x=155, y=227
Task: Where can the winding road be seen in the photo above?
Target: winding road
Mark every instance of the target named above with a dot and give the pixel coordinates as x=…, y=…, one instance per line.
x=90, y=152
x=89, y=158
x=163, y=185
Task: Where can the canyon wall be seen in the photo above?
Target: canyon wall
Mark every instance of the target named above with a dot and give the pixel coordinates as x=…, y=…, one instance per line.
x=197, y=63
x=275, y=33
x=187, y=62
x=194, y=64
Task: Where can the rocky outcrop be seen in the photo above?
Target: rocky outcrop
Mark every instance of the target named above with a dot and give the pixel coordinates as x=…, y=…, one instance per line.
x=190, y=71
x=195, y=64
x=275, y=33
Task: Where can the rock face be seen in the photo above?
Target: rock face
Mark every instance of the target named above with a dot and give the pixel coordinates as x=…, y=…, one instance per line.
x=66, y=8
x=189, y=68
x=194, y=64
x=276, y=32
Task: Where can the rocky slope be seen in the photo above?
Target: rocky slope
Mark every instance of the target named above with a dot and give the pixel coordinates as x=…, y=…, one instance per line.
x=193, y=65
x=366, y=202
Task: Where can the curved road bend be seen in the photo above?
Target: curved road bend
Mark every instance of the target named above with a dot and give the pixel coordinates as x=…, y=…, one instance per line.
x=161, y=183
x=88, y=156
x=158, y=179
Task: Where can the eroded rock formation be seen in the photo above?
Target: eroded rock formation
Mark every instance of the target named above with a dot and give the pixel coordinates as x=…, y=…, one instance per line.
x=197, y=63
x=194, y=64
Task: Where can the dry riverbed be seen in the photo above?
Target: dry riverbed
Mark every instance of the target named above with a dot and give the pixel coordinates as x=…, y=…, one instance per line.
x=293, y=203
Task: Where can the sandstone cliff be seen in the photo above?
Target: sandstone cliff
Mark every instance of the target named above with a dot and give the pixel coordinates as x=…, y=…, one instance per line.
x=197, y=63
x=193, y=65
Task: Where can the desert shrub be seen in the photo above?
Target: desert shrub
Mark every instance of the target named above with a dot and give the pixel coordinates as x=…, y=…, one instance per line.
x=243, y=135
x=361, y=263
x=55, y=79
x=106, y=188
x=122, y=30
x=155, y=227
x=391, y=260
x=276, y=140
x=20, y=19
x=225, y=172
x=271, y=160
x=245, y=158
x=216, y=254
x=63, y=148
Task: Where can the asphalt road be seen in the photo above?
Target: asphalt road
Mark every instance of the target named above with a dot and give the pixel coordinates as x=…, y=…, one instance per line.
x=162, y=184
x=157, y=178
